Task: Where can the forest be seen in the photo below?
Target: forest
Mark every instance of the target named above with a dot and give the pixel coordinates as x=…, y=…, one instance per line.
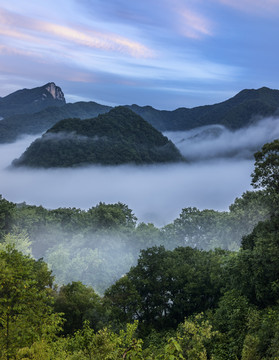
x=96, y=284
x=117, y=137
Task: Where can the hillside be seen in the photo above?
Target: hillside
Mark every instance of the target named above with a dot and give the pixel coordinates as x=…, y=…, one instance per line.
x=14, y=126
x=239, y=111
x=28, y=101
x=118, y=137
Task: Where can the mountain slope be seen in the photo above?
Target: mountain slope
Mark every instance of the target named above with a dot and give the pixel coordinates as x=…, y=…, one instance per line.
x=28, y=101
x=14, y=126
x=118, y=137
x=239, y=111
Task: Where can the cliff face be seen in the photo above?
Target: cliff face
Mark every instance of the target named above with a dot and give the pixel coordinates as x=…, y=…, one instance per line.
x=55, y=91
x=29, y=101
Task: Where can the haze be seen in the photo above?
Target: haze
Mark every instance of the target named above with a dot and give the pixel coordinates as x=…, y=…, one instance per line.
x=155, y=193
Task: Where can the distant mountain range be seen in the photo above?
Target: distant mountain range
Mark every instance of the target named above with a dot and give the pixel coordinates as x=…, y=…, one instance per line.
x=35, y=111
x=117, y=137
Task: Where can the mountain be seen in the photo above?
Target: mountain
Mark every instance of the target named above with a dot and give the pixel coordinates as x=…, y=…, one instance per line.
x=239, y=111
x=28, y=101
x=117, y=137
x=14, y=126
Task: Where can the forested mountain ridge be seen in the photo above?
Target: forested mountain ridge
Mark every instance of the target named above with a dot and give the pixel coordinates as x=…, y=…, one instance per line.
x=28, y=101
x=239, y=111
x=13, y=126
x=117, y=137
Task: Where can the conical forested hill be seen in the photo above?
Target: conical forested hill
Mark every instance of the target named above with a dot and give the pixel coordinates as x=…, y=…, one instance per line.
x=117, y=137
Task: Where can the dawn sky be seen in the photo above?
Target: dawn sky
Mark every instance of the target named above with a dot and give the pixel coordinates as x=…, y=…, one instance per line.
x=164, y=53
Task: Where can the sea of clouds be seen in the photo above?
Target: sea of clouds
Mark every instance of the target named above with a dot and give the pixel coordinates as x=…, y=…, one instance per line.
x=218, y=171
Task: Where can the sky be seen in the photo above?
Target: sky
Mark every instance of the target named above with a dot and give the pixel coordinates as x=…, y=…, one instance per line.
x=163, y=53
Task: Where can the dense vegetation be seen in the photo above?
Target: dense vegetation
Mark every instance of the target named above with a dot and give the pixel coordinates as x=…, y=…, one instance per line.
x=176, y=302
x=118, y=137
x=239, y=111
x=13, y=126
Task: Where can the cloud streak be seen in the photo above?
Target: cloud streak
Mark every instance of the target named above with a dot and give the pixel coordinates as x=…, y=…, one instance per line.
x=190, y=23
x=260, y=7
x=83, y=37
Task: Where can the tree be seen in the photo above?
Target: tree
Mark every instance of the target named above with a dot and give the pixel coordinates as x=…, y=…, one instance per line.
x=266, y=173
x=231, y=320
x=7, y=210
x=166, y=286
x=111, y=216
x=78, y=303
x=202, y=229
x=255, y=269
x=19, y=240
x=25, y=301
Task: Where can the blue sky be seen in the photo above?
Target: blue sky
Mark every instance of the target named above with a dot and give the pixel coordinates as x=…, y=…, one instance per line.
x=164, y=53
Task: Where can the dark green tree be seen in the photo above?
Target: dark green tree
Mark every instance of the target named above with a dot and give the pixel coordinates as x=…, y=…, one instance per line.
x=79, y=303
x=111, y=217
x=7, y=210
x=231, y=321
x=266, y=173
x=165, y=286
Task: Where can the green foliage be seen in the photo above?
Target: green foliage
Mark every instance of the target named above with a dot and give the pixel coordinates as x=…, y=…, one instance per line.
x=229, y=299
x=20, y=241
x=166, y=286
x=234, y=113
x=255, y=269
x=112, y=217
x=73, y=240
x=105, y=344
x=209, y=229
x=246, y=212
x=266, y=173
x=193, y=336
x=13, y=126
x=231, y=320
x=25, y=302
x=204, y=229
x=7, y=210
x=117, y=137
x=78, y=303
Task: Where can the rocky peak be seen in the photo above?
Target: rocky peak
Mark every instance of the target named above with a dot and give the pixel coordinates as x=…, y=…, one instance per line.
x=55, y=91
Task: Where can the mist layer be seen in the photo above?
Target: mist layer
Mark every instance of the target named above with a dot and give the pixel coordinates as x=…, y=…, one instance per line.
x=156, y=193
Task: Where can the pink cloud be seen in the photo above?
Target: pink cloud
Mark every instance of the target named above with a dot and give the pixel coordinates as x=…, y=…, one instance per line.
x=190, y=23
x=194, y=25
x=31, y=30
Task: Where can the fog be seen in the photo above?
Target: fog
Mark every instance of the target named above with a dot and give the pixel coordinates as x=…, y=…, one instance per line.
x=155, y=193
x=216, y=141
